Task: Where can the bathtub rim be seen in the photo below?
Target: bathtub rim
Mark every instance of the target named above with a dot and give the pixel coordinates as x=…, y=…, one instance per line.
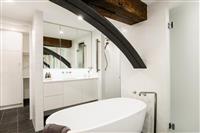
x=143, y=108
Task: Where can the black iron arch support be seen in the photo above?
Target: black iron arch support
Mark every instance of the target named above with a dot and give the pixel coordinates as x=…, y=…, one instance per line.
x=78, y=7
x=46, y=64
x=59, y=57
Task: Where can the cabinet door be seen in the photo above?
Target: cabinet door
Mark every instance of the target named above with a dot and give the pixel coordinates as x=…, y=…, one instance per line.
x=53, y=102
x=52, y=89
x=11, y=68
x=90, y=91
x=11, y=88
x=72, y=93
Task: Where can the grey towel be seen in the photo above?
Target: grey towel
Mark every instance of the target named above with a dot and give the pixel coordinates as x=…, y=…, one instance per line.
x=53, y=128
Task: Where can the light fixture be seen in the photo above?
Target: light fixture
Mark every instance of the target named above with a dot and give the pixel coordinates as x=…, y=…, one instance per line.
x=80, y=17
x=61, y=32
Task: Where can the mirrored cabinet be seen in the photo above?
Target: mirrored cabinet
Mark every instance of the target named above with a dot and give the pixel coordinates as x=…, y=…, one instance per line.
x=66, y=47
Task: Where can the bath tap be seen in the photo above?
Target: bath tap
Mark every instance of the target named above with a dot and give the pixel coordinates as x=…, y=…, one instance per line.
x=155, y=106
x=143, y=93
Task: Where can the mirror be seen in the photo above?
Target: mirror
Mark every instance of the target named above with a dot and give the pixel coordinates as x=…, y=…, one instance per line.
x=66, y=47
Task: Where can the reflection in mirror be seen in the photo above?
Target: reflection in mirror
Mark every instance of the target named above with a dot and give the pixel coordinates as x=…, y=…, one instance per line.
x=80, y=55
x=66, y=47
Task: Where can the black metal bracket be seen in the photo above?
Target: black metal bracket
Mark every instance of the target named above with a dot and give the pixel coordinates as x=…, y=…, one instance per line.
x=78, y=7
x=155, y=106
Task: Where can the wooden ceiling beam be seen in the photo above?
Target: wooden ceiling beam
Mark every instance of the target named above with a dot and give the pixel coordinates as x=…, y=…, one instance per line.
x=56, y=42
x=126, y=11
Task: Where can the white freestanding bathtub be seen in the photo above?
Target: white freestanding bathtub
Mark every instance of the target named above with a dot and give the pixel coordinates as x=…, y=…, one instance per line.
x=111, y=115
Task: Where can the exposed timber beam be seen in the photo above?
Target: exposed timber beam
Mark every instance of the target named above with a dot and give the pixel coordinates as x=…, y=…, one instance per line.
x=56, y=42
x=126, y=11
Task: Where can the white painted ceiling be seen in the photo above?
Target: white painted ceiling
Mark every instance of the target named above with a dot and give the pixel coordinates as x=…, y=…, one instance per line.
x=52, y=30
x=23, y=10
x=148, y=2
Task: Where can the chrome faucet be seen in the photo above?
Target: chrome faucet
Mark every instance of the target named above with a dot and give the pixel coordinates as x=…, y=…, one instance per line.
x=145, y=93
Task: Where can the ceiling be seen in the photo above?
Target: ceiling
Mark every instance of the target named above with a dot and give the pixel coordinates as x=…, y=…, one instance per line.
x=53, y=30
x=23, y=10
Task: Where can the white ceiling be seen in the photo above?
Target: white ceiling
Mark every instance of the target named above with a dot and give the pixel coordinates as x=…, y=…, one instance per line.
x=148, y=2
x=23, y=10
x=52, y=30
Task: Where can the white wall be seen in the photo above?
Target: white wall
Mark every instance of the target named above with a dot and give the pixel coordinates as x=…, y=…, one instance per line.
x=151, y=40
x=36, y=71
x=111, y=82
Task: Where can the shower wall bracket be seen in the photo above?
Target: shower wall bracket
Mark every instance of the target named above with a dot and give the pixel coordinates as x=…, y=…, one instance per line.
x=78, y=7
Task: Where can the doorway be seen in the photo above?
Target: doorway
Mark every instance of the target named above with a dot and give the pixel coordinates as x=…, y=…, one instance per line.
x=25, y=62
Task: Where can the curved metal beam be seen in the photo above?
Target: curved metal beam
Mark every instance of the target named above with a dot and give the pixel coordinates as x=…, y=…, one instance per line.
x=59, y=57
x=46, y=64
x=78, y=7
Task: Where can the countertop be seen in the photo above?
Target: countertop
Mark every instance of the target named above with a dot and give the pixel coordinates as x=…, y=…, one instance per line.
x=69, y=79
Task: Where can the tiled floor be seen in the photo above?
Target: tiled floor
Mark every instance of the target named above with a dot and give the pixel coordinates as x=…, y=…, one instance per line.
x=16, y=121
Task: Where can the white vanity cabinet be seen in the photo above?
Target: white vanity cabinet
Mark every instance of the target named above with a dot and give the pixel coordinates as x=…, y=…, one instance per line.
x=72, y=93
x=88, y=93
x=66, y=93
x=53, y=95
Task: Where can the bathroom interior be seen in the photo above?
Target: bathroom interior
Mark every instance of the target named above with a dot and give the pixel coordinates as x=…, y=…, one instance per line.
x=99, y=66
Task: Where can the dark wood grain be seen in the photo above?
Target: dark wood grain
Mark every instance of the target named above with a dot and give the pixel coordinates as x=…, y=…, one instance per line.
x=126, y=11
x=56, y=42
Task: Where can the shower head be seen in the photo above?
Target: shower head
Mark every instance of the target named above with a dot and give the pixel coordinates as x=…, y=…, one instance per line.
x=106, y=45
x=107, y=42
x=106, y=60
